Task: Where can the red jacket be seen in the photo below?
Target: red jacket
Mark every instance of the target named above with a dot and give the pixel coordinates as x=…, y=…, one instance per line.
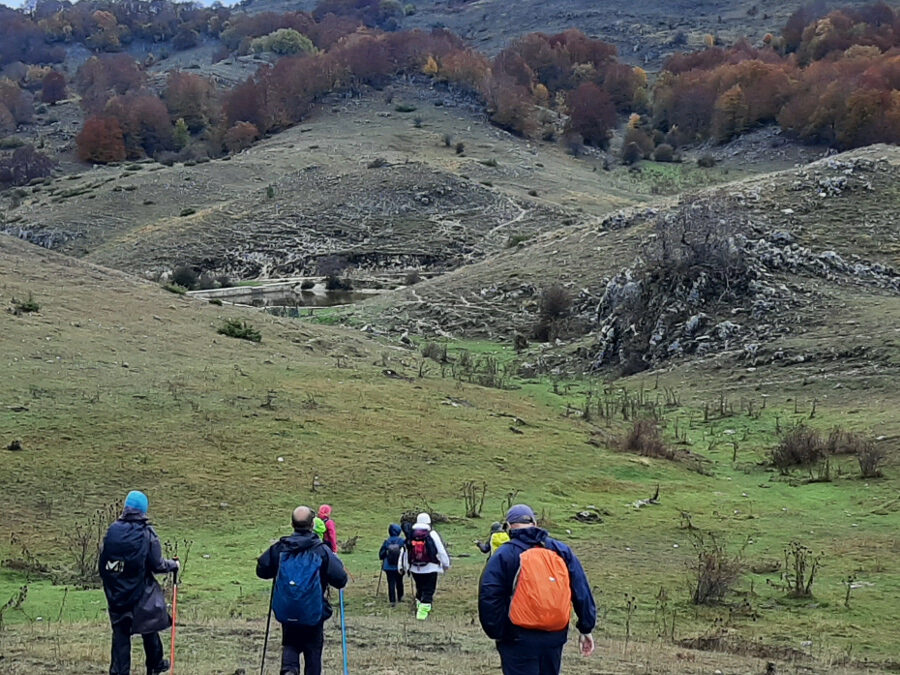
x=330, y=536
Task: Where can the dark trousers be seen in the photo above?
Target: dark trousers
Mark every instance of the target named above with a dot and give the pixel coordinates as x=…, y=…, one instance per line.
x=425, y=586
x=518, y=659
x=395, y=585
x=120, y=660
x=305, y=640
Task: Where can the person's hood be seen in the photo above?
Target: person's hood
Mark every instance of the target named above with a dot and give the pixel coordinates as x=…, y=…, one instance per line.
x=133, y=515
x=529, y=535
x=394, y=530
x=301, y=540
x=424, y=519
x=324, y=511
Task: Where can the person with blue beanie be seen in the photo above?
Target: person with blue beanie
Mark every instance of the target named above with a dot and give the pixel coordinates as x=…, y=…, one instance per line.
x=130, y=556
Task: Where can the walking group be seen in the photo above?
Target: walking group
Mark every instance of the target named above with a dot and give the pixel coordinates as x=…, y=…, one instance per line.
x=527, y=591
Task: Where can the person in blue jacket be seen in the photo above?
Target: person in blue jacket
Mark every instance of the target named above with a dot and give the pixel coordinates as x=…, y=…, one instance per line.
x=392, y=551
x=524, y=651
x=130, y=556
x=300, y=639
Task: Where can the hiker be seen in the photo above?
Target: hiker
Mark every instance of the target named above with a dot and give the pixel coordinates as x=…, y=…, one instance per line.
x=330, y=536
x=319, y=527
x=130, y=556
x=497, y=538
x=526, y=595
x=392, y=552
x=302, y=567
x=426, y=558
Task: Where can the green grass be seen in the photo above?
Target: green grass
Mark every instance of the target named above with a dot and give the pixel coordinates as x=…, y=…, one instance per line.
x=199, y=422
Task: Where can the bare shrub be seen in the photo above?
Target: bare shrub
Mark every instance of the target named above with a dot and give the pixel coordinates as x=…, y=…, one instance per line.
x=435, y=352
x=645, y=439
x=800, y=568
x=800, y=446
x=347, y=546
x=556, y=302
x=83, y=544
x=843, y=442
x=870, y=458
x=473, y=496
x=714, y=572
x=692, y=264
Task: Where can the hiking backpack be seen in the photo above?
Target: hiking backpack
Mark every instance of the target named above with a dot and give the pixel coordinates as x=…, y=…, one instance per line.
x=392, y=555
x=421, y=548
x=298, y=597
x=122, y=564
x=541, y=597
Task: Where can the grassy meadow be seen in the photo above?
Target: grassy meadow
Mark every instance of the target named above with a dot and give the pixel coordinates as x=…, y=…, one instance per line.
x=116, y=385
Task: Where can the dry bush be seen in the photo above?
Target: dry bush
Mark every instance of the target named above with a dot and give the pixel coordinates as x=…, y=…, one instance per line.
x=870, y=458
x=800, y=446
x=714, y=572
x=645, y=439
x=800, y=568
x=556, y=303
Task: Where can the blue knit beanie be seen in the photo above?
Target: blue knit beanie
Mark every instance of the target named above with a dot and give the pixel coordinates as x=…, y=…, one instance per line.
x=136, y=500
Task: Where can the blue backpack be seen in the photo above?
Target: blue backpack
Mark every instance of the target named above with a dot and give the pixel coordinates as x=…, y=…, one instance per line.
x=298, y=596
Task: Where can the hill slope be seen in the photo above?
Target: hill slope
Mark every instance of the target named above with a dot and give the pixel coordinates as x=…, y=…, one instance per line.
x=379, y=187
x=114, y=384
x=817, y=245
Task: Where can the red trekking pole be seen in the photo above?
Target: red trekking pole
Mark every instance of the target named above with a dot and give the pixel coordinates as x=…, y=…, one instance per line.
x=174, y=617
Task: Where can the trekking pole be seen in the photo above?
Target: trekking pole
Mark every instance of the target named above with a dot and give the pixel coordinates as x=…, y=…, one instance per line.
x=262, y=666
x=344, y=634
x=174, y=618
x=378, y=587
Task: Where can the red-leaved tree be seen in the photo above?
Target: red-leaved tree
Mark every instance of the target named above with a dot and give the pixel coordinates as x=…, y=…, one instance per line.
x=591, y=113
x=53, y=87
x=100, y=141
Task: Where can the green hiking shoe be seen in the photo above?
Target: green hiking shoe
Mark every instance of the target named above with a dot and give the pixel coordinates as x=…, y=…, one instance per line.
x=423, y=611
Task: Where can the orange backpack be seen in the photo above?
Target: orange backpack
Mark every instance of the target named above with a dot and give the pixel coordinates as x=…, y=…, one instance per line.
x=542, y=597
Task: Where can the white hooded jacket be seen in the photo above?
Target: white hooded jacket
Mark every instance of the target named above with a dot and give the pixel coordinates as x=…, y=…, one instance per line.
x=423, y=521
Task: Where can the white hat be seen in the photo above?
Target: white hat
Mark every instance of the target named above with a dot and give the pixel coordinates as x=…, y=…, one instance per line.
x=423, y=519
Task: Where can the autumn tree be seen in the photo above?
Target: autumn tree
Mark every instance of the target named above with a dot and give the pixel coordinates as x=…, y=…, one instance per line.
x=18, y=104
x=192, y=98
x=730, y=114
x=101, y=77
x=510, y=107
x=144, y=122
x=100, y=141
x=25, y=165
x=591, y=113
x=246, y=103
x=53, y=87
x=240, y=136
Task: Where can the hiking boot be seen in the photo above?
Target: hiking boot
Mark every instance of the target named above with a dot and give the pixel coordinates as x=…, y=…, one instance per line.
x=423, y=611
x=163, y=667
